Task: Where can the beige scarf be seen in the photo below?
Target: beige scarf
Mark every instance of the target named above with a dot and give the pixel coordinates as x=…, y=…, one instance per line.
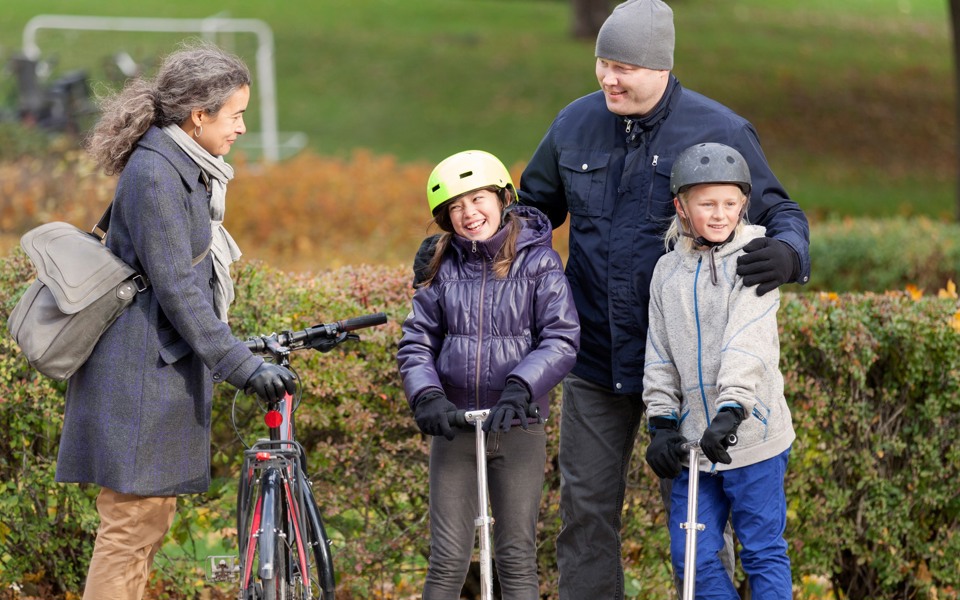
x=216, y=173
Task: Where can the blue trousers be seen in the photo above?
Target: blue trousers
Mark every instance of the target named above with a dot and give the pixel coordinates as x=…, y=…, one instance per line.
x=515, y=468
x=598, y=430
x=754, y=498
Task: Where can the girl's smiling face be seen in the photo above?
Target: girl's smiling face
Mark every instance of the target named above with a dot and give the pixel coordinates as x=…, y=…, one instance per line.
x=713, y=210
x=475, y=215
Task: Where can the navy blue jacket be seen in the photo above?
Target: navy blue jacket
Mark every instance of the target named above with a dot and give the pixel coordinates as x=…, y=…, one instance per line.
x=469, y=331
x=612, y=175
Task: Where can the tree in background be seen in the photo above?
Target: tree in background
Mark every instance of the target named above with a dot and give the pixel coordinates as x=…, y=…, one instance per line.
x=589, y=15
x=954, y=24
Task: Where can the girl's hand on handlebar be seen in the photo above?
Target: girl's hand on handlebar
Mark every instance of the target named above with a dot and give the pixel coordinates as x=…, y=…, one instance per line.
x=512, y=405
x=430, y=413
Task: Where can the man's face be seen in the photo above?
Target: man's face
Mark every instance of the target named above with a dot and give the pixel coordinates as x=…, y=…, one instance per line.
x=630, y=90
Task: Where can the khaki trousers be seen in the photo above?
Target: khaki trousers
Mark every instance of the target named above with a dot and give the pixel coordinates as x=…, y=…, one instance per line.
x=131, y=532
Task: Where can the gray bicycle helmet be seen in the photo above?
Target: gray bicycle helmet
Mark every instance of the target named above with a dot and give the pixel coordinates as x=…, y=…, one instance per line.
x=709, y=163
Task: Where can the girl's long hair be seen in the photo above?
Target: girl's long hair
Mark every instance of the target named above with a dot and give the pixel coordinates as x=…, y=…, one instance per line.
x=505, y=256
x=200, y=75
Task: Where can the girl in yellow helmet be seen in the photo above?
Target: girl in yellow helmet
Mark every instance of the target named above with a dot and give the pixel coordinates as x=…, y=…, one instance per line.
x=493, y=326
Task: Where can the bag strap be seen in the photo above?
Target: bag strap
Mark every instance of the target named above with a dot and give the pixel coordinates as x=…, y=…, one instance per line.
x=100, y=232
x=103, y=223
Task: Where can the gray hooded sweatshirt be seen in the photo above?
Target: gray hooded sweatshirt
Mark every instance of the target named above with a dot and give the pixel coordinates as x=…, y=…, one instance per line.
x=714, y=345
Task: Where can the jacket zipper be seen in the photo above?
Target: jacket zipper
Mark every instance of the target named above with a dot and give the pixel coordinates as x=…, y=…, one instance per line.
x=483, y=285
x=653, y=177
x=696, y=314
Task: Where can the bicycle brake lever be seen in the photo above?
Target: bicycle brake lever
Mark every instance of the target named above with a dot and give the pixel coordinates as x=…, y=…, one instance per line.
x=328, y=344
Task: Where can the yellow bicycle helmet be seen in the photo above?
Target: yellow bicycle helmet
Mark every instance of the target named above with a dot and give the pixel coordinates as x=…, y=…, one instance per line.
x=464, y=172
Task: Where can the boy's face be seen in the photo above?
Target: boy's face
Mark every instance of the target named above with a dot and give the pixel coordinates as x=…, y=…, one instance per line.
x=475, y=215
x=712, y=210
x=628, y=89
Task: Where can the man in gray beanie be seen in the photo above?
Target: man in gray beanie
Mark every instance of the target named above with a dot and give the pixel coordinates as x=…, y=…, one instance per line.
x=606, y=161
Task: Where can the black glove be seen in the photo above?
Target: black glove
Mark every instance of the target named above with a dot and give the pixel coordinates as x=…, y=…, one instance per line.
x=271, y=381
x=716, y=438
x=430, y=413
x=422, y=260
x=663, y=453
x=768, y=264
x=512, y=405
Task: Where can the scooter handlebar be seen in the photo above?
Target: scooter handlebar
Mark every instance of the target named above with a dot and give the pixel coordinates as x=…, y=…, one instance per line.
x=465, y=418
x=731, y=441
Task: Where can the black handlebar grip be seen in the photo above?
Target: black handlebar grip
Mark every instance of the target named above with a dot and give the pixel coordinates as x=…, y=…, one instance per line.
x=255, y=344
x=362, y=322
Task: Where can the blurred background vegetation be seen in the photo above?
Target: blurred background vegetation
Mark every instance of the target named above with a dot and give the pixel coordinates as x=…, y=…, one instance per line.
x=853, y=100
x=854, y=103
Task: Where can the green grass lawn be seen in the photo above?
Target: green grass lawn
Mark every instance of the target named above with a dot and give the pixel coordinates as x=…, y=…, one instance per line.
x=853, y=100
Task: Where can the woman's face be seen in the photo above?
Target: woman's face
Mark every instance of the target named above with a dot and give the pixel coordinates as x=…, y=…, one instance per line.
x=220, y=131
x=475, y=215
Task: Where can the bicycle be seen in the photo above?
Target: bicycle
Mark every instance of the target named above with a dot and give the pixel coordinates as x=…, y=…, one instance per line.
x=283, y=548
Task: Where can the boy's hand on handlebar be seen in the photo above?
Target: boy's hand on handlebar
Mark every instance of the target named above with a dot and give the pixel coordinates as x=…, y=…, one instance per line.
x=512, y=405
x=430, y=413
x=716, y=438
x=663, y=453
x=271, y=382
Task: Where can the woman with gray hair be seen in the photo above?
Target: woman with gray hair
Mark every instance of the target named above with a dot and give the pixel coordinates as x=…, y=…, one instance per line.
x=137, y=420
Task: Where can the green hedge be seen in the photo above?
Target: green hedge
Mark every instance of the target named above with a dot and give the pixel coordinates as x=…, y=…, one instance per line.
x=857, y=255
x=873, y=482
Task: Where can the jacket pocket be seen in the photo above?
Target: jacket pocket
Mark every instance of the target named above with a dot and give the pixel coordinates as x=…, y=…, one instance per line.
x=584, y=176
x=660, y=208
x=172, y=346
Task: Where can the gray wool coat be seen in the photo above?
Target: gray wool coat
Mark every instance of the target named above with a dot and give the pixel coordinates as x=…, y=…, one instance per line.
x=137, y=414
x=710, y=346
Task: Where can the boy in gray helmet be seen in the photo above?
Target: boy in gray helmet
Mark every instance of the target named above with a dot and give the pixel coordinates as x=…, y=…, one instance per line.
x=712, y=372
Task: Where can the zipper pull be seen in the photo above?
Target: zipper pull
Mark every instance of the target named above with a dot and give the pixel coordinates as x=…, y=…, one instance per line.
x=629, y=124
x=656, y=158
x=474, y=249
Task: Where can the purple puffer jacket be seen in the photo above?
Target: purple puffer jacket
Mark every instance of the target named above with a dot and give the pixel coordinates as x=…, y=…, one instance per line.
x=468, y=331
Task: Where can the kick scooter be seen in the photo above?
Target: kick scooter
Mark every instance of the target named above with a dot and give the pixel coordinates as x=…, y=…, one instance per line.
x=692, y=448
x=483, y=521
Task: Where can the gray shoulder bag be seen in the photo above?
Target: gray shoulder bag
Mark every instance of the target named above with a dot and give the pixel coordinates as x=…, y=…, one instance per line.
x=80, y=290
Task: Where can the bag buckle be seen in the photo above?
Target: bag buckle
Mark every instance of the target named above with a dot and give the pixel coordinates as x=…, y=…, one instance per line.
x=141, y=282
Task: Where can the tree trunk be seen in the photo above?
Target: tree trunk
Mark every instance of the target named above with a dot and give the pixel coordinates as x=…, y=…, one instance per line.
x=589, y=15
x=955, y=29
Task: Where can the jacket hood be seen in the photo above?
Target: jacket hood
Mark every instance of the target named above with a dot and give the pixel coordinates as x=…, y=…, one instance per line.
x=690, y=256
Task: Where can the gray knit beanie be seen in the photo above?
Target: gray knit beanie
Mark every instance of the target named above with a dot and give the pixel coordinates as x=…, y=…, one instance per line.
x=638, y=32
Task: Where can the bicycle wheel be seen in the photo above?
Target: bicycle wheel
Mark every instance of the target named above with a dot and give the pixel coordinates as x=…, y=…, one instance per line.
x=320, y=543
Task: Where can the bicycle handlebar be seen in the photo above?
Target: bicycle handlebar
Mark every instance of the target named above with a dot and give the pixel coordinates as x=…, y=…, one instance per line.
x=336, y=332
